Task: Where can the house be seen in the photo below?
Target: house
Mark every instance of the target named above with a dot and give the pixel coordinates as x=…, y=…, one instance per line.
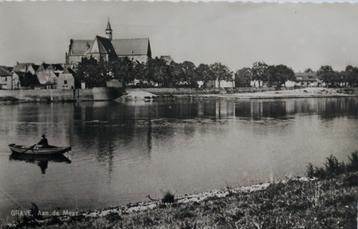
x=25, y=67
x=307, y=79
x=258, y=83
x=8, y=68
x=220, y=84
x=46, y=76
x=5, y=79
x=136, y=49
x=65, y=80
x=290, y=84
x=167, y=59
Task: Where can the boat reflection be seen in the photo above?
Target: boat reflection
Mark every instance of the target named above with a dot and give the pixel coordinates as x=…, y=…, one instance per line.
x=40, y=160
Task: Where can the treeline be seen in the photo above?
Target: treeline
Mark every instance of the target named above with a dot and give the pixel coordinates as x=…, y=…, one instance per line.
x=332, y=78
x=160, y=72
x=269, y=75
x=277, y=75
x=156, y=72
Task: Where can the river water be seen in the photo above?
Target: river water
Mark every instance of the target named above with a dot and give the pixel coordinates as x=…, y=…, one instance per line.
x=123, y=152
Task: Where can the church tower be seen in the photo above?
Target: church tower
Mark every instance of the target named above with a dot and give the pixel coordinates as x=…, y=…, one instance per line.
x=109, y=31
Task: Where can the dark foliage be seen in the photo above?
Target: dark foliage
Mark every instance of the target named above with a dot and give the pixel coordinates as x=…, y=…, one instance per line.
x=353, y=162
x=332, y=167
x=168, y=198
x=28, y=80
x=92, y=72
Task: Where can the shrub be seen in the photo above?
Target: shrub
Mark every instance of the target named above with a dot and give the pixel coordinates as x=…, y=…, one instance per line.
x=333, y=167
x=310, y=171
x=168, y=198
x=353, y=162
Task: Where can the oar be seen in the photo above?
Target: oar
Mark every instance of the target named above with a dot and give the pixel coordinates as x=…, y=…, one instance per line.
x=31, y=147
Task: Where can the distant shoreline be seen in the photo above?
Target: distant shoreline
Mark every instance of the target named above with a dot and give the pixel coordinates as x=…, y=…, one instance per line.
x=156, y=94
x=59, y=95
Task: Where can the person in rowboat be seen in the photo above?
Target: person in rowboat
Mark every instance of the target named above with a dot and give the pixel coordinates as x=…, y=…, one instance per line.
x=43, y=142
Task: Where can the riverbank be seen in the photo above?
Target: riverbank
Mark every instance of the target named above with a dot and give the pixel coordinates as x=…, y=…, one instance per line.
x=147, y=94
x=58, y=95
x=240, y=93
x=293, y=203
x=295, y=93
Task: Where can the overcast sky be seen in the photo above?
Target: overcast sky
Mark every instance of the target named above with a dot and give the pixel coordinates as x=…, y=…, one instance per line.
x=236, y=34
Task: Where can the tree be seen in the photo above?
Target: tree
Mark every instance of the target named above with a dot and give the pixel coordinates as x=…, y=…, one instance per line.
x=351, y=75
x=204, y=73
x=176, y=72
x=161, y=72
x=328, y=75
x=190, y=74
x=221, y=72
x=122, y=69
x=139, y=71
x=259, y=72
x=279, y=74
x=243, y=77
x=94, y=73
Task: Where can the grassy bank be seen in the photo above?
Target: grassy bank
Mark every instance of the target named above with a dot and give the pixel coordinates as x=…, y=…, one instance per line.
x=329, y=201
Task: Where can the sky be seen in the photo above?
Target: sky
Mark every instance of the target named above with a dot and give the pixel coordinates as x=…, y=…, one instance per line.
x=236, y=34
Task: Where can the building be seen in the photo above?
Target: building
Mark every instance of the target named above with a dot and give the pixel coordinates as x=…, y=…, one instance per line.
x=26, y=67
x=65, y=80
x=46, y=76
x=307, y=79
x=5, y=79
x=219, y=84
x=107, y=48
x=167, y=59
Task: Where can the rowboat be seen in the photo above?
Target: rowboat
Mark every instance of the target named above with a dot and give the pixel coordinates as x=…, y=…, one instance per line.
x=34, y=150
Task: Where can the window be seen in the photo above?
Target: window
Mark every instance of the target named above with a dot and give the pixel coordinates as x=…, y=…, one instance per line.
x=65, y=82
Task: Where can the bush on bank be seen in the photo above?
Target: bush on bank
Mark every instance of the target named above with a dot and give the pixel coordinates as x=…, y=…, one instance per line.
x=333, y=167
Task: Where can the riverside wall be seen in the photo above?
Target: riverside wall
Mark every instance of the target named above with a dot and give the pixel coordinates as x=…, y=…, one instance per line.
x=60, y=95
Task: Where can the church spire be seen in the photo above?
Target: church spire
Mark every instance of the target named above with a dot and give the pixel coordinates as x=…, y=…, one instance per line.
x=109, y=30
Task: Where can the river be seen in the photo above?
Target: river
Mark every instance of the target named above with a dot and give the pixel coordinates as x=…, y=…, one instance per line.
x=123, y=152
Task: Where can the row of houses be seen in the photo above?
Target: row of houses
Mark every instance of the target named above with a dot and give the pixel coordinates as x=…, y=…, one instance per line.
x=33, y=76
x=303, y=79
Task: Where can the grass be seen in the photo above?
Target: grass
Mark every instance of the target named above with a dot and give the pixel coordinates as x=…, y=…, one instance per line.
x=315, y=203
x=333, y=167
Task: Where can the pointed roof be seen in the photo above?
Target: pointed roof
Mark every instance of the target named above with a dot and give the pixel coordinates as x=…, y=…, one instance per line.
x=102, y=45
x=132, y=46
x=4, y=72
x=23, y=67
x=8, y=68
x=108, y=26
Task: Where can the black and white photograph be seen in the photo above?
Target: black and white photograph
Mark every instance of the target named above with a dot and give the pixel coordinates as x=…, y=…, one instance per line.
x=183, y=115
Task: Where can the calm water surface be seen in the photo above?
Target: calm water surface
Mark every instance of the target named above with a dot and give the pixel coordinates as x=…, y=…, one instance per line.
x=123, y=152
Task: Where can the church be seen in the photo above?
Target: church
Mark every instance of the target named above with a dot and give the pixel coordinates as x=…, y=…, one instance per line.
x=108, y=49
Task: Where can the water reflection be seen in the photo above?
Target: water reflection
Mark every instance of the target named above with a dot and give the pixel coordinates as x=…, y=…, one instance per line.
x=104, y=128
x=110, y=129
x=40, y=160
